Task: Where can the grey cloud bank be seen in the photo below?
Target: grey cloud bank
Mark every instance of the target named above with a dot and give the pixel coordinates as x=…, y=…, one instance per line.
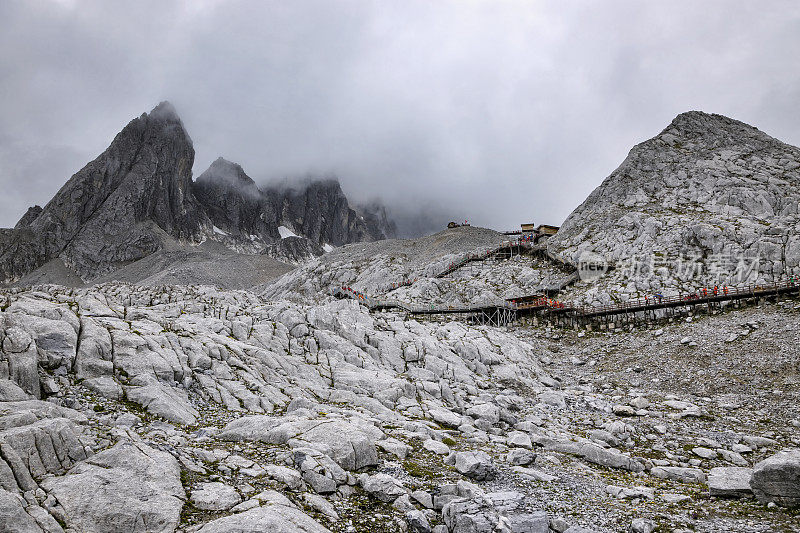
x=497, y=112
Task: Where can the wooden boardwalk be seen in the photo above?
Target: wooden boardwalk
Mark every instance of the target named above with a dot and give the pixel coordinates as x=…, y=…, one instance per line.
x=543, y=309
x=561, y=313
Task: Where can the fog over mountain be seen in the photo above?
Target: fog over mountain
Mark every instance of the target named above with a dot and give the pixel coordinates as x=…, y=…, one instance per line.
x=493, y=112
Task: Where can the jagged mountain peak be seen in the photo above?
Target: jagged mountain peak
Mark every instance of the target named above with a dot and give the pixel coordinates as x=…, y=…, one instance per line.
x=162, y=121
x=227, y=172
x=699, y=129
x=118, y=208
x=165, y=111
x=301, y=185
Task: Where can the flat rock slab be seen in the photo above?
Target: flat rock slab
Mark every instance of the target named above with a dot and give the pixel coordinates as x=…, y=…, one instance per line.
x=215, y=496
x=730, y=482
x=13, y=516
x=130, y=487
x=272, y=517
x=678, y=473
x=352, y=446
x=171, y=403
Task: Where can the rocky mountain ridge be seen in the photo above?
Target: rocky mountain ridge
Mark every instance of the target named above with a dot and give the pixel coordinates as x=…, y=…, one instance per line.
x=138, y=197
x=315, y=210
x=709, y=200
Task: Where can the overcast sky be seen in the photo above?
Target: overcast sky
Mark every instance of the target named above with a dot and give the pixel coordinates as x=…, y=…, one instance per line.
x=496, y=112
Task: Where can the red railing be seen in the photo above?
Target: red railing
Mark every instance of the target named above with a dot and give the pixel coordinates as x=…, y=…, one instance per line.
x=703, y=295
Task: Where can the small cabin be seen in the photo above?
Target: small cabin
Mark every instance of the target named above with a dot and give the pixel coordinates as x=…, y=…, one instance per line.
x=544, y=229
x=528, y=228
x=544, y=232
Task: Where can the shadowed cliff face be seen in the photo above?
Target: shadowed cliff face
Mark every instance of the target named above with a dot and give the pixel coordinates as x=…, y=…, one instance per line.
x=316, y=209
x=234, y=202
x=117, y=208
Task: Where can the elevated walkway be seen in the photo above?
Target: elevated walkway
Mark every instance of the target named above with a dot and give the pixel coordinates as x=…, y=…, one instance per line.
x=562, y=313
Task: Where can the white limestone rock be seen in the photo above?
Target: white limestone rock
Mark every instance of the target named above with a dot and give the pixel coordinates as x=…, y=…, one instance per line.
x=730, y=482
x=215, y=496
x=476, y=465
x=706, y=187
x=382, y=486
x=130, y=487
x=275, y=514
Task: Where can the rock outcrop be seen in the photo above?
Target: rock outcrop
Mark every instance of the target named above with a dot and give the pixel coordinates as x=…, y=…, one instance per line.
x=234, y=203
x=118, y=208
x=188, y=408
x=130, y=487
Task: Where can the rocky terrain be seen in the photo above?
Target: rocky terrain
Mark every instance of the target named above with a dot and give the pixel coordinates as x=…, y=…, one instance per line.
x=222, y=411
x=138, y=198
x=374, y=267
x=708, y=200
x=216, y=389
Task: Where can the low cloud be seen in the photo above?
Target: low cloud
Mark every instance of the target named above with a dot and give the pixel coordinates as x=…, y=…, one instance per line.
x=495, y=112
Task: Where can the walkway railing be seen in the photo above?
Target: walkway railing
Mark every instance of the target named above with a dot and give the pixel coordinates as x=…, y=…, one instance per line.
x=702, y=296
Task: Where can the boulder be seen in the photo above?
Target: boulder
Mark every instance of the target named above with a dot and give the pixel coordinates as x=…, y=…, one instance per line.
x=777, y=479
x=630, y=493
x=485, y=411
x=351, y=446
x=106, y=386
x=319, y=470
x=519, y=439
x=395, y=447
x=288, y=476
x=417, y=522
x=19, y=360
x=520, y=457
x=475, y=465
x=445, y=417
x=678, y=473
x=437, y=447
x=610, y=458
x=383, y=487
x=489, y=513
x=642, y=525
